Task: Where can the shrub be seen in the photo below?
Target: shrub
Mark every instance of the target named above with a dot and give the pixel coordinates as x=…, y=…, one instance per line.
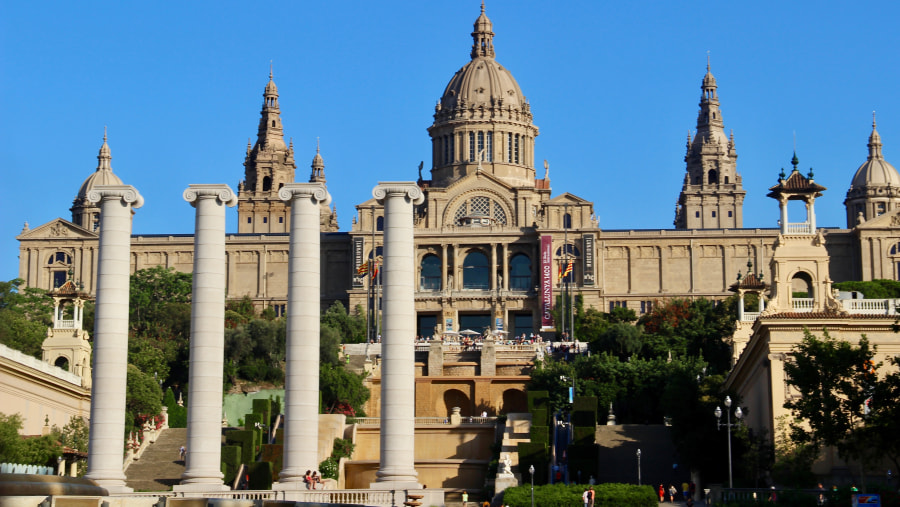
x=540, y=434
x=562, y=495
x=231, y=461
x=329, y=468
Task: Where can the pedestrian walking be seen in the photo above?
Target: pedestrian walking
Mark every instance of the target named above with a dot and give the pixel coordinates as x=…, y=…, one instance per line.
x=662, y=493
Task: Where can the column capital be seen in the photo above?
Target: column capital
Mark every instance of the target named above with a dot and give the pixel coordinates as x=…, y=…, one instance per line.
x=407, y=189
x=127, y=193
x=220, y=191
x=315, y=191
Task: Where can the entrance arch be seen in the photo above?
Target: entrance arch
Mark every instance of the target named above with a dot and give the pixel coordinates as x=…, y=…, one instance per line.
x=456, y=398
x=514, y=400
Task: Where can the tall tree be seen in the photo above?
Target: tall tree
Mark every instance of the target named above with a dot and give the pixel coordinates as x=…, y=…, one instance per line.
x=25, y=315
x=834, y=382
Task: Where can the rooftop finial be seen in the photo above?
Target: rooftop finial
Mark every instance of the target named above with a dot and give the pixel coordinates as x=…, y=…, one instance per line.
x=873, y=120
x=317, y=144
x=271, y=69
x=104, y=133
x=795, y=161
x=482, y=6
x=707, y=60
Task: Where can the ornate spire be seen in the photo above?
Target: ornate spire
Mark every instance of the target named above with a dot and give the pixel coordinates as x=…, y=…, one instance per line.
x=104, y=158
x=483, y=36
x=874, y=142
x=270, y=135
x=709, y=118
x=318, y=167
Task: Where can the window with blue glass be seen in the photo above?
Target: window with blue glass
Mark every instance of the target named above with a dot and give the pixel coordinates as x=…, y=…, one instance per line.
x=476, y=271
x=430, y=273
x=520, y=272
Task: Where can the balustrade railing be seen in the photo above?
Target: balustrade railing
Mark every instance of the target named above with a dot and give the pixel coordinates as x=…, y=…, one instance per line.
x=801, y=228
x=750, y=316
x=429, y=421
x=803, y=304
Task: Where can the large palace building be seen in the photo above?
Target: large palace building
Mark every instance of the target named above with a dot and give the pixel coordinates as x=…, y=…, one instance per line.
x=491, y=237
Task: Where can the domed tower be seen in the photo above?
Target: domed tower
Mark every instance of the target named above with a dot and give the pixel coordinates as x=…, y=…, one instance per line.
x=712, y=196
x=327, y=216
x=85, y=213
x=875, y=189
x=483, y=117
x=269, y=164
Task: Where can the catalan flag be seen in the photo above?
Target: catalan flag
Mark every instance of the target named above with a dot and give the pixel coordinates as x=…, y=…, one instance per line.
x=374, y=270
x=568, y=269
x=363, y=268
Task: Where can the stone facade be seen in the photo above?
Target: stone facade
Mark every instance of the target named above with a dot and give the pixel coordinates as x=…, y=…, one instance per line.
x=478, y=232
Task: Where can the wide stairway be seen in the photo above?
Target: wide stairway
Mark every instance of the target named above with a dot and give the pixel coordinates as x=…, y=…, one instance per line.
x=159, y=467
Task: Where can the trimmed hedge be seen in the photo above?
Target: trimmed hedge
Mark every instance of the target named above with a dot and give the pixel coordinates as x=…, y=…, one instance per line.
x=260, y=475
x=538, y=399
x=584, y=411
x=244, y=439
x=585, y=434
x=540, y=434
x=250, y=421
x=533, y=454
x=231, y=462
x=539, y=417
x=274, y=454
x=562, y=495
x=264, y=409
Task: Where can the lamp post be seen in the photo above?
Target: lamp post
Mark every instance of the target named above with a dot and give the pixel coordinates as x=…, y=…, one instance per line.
x=639, y=466
x=738, y=414
x=531, y=471
x=566, y=379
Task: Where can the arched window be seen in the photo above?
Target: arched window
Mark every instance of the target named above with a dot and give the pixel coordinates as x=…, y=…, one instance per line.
x=567, y=221
x=430, y=273
x=712, y=177
x=62, y=362
x=802, y=286
x=520, y=272
x=379, y=224
x=273, y=123
x=471, y=146
x=726, y=179
x=60, y=257
x=475, y=272
x=267, y=184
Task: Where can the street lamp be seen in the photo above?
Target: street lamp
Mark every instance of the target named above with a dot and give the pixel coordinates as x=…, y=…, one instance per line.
x=639, y=466
x=531, y=471
x=738, y=414
x=566, y=379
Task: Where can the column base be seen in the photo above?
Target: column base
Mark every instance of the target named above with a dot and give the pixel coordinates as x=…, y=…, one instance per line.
x=113, y=486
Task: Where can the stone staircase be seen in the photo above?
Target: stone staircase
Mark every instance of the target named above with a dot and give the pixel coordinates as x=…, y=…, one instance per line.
x=159, y=467
x=618, y=460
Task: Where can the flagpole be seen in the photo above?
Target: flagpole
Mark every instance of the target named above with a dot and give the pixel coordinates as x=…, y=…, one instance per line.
x=566, y=251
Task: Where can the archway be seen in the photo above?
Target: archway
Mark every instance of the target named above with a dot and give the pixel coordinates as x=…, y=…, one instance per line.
x=62, y=362
x=802, y=286
x=514, y=400
x=456, y=398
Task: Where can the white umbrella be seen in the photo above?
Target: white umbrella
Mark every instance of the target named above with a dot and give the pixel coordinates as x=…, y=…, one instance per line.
x=468, y=331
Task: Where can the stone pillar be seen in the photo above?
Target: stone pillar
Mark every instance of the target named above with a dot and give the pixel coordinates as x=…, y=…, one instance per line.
x=782, y=205
x=505, y=284
x=301, y=389
x=397, y=470
x=741, y=304
x=204, y=424
x=493, y=278
x=105, y=446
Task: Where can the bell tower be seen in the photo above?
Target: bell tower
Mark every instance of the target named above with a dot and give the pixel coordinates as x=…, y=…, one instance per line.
x=268, y=165
x=67, y=345
x=712, y=196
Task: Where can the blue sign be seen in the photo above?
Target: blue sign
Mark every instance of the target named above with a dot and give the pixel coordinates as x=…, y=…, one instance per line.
x=867, y=500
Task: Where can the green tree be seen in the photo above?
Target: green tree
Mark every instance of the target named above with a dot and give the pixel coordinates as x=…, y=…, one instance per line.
x=25, y=315
x=152, y=290
x=873, y=289
x=10, y=442
x=351, y=328
x=833, y=383
x=143, y=396
x=620, y=338
x=342, y=390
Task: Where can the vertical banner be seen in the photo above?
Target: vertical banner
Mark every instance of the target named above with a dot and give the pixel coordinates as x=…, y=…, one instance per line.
x=358, y=279
x=546, y=281
x=588, y=259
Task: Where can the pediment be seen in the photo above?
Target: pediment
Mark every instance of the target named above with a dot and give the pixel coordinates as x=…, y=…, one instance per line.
x=890, y=220
x=479, y=180
x=57, y=229
x=567, y=198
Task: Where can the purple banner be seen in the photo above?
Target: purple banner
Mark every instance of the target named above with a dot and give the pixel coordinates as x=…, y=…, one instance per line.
x=546, y=281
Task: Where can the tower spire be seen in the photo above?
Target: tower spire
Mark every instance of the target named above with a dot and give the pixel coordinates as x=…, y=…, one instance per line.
x=874, y=142
x=483, y=36
x=318, y=167
x=104, y=158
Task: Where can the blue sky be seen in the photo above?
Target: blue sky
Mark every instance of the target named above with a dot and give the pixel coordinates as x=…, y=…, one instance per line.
x=614, y=88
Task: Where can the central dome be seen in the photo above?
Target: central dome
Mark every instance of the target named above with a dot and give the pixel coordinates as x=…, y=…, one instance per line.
x=483, y=82
x=483, y=120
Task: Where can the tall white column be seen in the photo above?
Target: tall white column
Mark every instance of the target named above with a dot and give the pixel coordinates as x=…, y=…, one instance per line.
x=398, y=393
x=204, y=418
x=301, y=389
x=106, y=446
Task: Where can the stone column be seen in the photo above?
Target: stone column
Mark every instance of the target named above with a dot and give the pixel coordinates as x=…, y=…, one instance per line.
x=505, y=284
x=106, y=444
x=204, y=439
x=444, y=264
x=493, y=277
x=397, y=470
x=301, y=390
